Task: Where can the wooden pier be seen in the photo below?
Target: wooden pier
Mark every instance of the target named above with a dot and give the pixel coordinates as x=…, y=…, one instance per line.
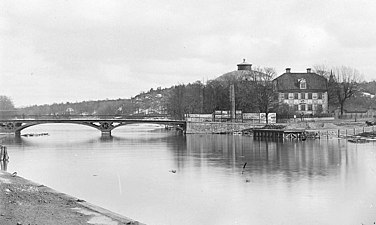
x=278, y=133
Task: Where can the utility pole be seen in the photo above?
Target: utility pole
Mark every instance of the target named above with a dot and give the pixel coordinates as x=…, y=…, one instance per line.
x=232, y=102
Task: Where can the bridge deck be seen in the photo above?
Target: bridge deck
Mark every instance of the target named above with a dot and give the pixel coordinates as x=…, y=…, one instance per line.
x=92, y=120
x=104, y=125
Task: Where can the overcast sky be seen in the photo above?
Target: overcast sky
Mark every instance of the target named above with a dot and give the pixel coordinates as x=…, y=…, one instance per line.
x=59, y=51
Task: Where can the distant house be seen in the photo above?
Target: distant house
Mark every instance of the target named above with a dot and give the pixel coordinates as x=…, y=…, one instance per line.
x=306, y=93
x=366, y=94
x=69, y=110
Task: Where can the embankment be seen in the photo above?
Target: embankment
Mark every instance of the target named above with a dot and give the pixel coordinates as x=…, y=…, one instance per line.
x=217, y=127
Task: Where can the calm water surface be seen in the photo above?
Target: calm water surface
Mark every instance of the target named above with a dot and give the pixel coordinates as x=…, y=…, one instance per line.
x=311, y=182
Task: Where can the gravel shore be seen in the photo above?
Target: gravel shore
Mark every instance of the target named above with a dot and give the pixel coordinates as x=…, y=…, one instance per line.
x=27, y=203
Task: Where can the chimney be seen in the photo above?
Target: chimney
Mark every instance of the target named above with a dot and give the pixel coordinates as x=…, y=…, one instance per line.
x=288, y=70
x=308, y=70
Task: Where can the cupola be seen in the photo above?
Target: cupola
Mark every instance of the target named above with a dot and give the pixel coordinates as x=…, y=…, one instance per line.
x=244, y=66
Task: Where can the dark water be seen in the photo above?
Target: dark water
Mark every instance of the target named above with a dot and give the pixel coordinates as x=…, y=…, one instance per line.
x=311, y=182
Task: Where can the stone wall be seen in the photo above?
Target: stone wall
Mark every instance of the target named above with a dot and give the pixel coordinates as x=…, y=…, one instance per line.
x=216, y=127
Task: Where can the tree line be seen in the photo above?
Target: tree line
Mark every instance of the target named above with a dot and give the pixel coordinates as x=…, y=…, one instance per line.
x=253, y=94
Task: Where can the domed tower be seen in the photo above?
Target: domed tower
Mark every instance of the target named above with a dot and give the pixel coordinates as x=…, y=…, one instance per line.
x=244, y=66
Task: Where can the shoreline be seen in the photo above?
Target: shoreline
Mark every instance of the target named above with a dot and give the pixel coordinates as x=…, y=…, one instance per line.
x=26, y=202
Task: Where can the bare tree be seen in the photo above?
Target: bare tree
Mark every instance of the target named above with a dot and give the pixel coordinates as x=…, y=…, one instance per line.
x=322, y=69
x=6, y=106
x=265, y=92
x=345, y=86
x=342, y=83
x=327, y=72
x=6, y=103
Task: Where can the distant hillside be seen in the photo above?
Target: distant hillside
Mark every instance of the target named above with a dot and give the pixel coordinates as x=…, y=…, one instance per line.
x=197, y=98
x=364, y=99
x=151, y=102
x=100, y=107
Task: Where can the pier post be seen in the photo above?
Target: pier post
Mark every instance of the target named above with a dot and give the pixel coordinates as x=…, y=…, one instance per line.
x=4, y=154
x=1, y=153
x=17, y=133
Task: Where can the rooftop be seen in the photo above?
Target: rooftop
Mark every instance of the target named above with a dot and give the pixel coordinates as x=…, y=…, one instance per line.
x=290, y=81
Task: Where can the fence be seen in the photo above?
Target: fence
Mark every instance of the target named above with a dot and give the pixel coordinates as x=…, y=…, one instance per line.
x=341, y=133
x=304, y=117
x=225, y=116
x=356, y=114
x=199, y=117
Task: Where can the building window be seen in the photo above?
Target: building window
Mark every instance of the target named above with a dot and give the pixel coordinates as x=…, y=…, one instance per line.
x=309, y=107
x=296, y=107
x=319, y=108
x=302, y=95
x=296, y=95
x=286, y=95
x=302, y=83
x=281, y=95
x=319, y=95
x=309, y=95
x=302, y=107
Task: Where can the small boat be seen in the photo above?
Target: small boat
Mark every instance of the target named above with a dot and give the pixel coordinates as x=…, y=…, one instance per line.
x=358, y=140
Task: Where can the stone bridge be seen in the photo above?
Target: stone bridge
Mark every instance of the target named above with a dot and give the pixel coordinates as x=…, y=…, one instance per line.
x=104, y=125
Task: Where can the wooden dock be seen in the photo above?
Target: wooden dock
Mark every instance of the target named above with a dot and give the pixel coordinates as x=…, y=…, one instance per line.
x=279, y=133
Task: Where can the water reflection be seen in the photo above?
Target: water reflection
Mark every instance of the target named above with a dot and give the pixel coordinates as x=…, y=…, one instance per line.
x=11, y=139
x=311, y=182
x=4, y=165
x=292, y=159
x=84, y=139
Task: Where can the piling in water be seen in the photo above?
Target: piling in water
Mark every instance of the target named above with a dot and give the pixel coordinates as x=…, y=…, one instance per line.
x=4, y=154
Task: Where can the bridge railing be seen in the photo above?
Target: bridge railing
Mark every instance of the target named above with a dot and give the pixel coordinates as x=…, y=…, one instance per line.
x=75, y=117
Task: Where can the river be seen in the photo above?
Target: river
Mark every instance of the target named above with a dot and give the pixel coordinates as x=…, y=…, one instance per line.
x=160, y=177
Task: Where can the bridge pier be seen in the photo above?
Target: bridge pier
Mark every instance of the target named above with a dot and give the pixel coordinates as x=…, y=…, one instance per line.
x=17, y=133
x=106, y=133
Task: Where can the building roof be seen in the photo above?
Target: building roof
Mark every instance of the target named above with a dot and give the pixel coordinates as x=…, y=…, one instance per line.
x=237, y=75
x=244, y=72
x=290, y=82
